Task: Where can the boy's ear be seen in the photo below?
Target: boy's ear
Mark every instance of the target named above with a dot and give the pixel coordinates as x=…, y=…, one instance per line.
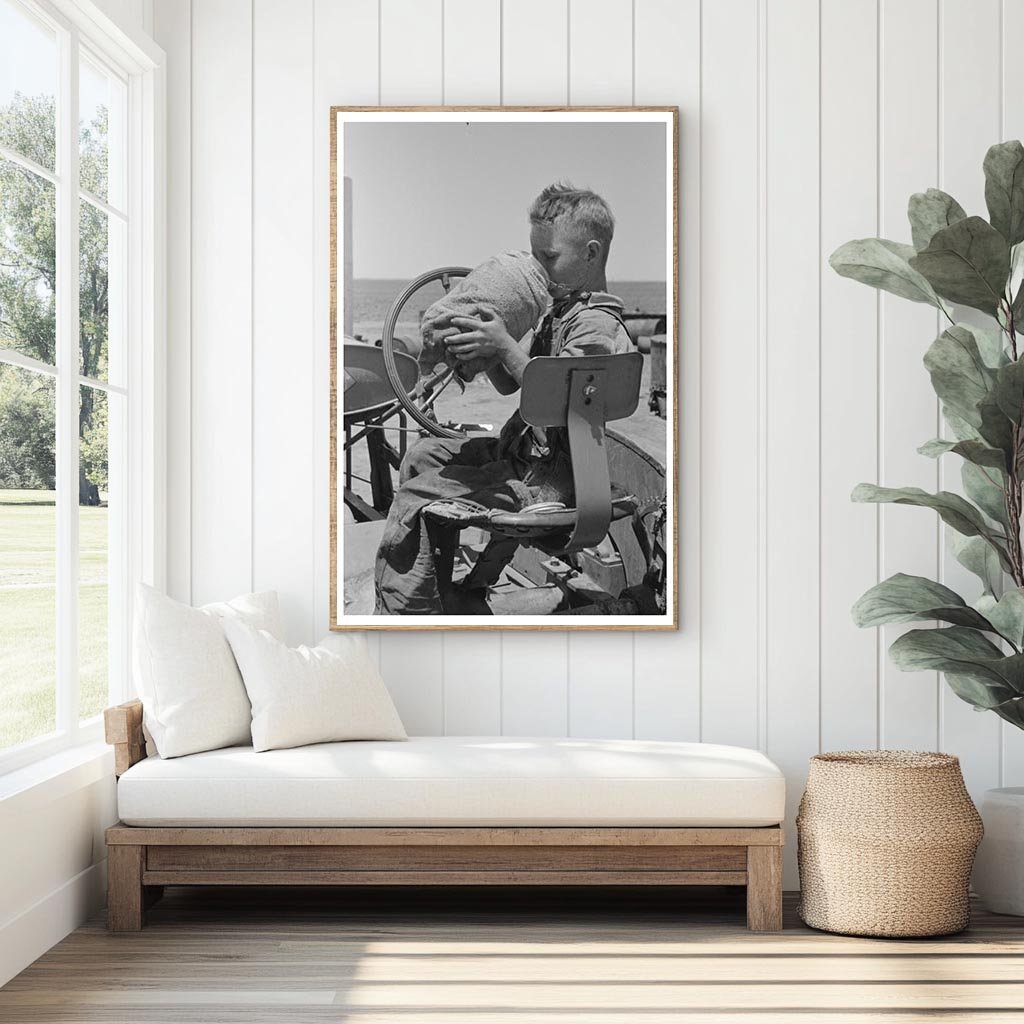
x=594, y=248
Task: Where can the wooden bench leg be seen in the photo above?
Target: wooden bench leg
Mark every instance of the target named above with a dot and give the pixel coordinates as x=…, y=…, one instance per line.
x=764, y=888
x=125, y=898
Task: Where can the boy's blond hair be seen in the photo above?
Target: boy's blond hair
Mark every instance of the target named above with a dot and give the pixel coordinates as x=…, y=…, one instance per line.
x=584, y=209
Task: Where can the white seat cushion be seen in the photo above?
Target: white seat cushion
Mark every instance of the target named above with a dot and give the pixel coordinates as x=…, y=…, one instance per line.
x=459, y=780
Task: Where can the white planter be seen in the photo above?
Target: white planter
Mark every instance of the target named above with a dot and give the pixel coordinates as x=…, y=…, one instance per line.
x=999, y=866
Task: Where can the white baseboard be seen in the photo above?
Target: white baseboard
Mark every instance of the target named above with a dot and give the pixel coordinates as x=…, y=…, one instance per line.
x=25, y=938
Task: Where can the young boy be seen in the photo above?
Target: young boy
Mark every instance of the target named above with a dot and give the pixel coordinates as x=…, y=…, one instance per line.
x=570, y=234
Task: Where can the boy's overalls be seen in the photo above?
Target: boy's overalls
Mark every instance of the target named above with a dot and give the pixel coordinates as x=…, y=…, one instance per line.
x=518, y=468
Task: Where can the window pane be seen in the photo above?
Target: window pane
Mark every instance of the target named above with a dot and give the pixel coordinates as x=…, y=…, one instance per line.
x=101, y=295
x=28, y=85
x=28, y=263
x=28, y=545
x=93, y=551
x=101, y=104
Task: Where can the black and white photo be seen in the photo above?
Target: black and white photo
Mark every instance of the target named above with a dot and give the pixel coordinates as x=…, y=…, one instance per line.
x=504, y=353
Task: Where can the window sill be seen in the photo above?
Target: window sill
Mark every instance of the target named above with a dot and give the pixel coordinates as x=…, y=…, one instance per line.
x=55, y=776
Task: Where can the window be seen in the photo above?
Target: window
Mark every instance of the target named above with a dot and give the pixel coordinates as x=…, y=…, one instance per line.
x=77, y=251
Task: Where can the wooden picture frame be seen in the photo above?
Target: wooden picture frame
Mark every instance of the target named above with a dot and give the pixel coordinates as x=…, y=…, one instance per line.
x=524, y=569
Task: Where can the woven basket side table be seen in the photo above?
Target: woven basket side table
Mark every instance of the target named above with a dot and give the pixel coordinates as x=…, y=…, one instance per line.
x=885, y=843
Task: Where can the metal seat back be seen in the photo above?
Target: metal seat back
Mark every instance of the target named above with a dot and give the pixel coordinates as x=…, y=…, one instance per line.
x=582, y=394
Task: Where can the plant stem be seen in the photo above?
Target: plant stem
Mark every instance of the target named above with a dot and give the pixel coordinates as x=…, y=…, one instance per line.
x=1012, y=497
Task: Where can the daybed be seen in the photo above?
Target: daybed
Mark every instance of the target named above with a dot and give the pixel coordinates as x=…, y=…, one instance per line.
x=449, y=810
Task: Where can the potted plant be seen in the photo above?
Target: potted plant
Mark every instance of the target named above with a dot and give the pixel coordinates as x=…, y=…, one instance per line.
x=978, y=374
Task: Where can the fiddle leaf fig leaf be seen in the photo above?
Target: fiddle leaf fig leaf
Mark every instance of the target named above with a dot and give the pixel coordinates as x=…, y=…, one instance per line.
x=958, y=371
x=973, y=451
x=1013, y=285
x=883, y=264
x=921, y=650
x=996, y=428
x=1011, y=710
x=1017, y=309
x=952, y=509
x=962, y=430
x=967, y=263
x=984, y=486
x=979, y=557
x=982, y=693
x=1006, y=614
x=903, y=598
x=964, y=652
x=1009, y=390
x=990, y=345
x=1004, y=189
x=929, y=212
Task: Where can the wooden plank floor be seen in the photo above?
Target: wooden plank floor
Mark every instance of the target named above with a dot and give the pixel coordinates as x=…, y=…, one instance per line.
x=263, y=956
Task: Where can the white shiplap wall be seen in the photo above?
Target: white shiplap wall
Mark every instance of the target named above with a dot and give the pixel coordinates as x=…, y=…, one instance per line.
x=803, y=123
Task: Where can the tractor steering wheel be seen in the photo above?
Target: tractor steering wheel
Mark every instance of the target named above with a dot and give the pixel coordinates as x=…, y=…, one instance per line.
x=418, y=402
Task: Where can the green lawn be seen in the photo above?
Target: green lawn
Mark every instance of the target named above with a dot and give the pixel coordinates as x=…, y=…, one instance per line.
x=28, y=616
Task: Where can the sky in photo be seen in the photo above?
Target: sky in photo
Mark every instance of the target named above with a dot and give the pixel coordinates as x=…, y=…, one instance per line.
x=429, y=194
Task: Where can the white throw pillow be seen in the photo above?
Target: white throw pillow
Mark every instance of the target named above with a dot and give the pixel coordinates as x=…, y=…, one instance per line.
x=192, y=693
x=309, y=694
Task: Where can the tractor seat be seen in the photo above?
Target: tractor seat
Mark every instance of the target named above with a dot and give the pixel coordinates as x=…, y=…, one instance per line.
x=533, y=522
x=582, y=394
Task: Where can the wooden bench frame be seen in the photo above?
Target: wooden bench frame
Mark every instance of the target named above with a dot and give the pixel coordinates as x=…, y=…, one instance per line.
x=142, y=860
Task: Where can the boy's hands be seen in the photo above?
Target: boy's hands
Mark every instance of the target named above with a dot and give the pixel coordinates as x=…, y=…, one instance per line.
x=483, y=337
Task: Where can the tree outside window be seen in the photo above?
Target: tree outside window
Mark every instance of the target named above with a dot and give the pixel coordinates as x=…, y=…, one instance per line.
x=30, y=126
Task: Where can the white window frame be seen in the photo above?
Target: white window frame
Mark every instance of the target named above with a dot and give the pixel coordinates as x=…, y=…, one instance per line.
x=141, y=64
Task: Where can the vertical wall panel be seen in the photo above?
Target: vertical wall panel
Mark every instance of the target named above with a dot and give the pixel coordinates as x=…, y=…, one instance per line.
x=730, y=500
x=600, y=52
x=667, y=665
x=344, y=54
x=1012, y=127
x=346, y=51
x=909, y=414
x=472, y=52
x=849, y=372
x=792, y=383
x=472, y=684
x=173, y=30
x=600, y=685
x=534, y=56
x=221, y=377
x=969, y=124
x=410, y=55
x=600, y=61
x=535, y=673
x=472, y=661
x=413, y=669
x=283, y=309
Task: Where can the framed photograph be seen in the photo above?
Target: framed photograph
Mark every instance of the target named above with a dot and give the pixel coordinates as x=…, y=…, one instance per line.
x=504, y=352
